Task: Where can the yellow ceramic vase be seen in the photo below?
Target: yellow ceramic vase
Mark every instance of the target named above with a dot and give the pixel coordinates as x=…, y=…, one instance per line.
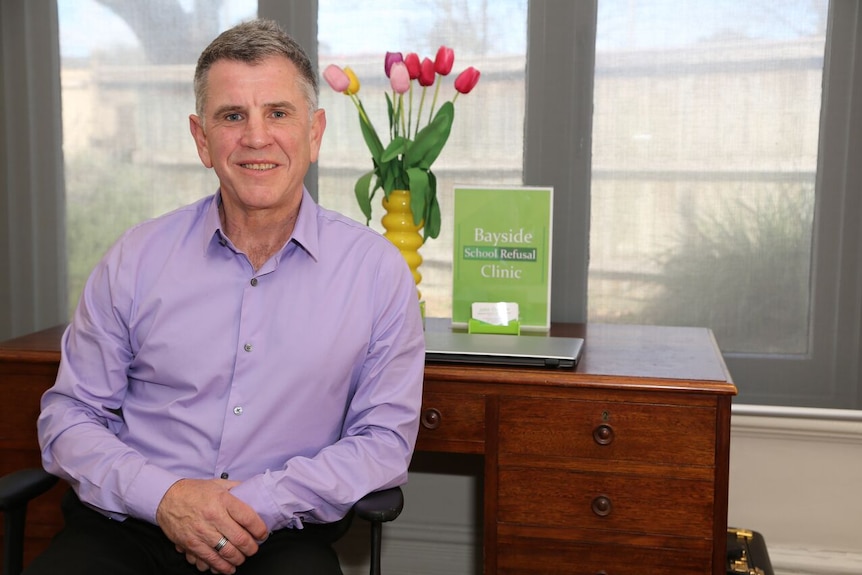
x=402, y=231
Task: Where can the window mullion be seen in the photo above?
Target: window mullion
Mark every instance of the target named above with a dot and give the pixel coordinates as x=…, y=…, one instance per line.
x=561, y=42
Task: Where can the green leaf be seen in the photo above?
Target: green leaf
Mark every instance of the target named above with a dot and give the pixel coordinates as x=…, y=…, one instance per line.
x=390, y=109
x=363, y=197
x=395, y=148
x=432, y=218
x=431, y=139
x=432, y=226
x=390, y=174
x=419, y=192
x=370, y=136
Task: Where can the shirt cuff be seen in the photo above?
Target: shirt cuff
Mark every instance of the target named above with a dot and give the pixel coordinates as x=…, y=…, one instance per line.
x=147, y=490
x=255, y=493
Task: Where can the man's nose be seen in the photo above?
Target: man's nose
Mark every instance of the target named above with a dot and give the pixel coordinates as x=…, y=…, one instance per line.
x=256, y=134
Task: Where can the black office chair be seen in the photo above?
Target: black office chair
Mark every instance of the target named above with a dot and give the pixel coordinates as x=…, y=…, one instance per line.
x=19, y=487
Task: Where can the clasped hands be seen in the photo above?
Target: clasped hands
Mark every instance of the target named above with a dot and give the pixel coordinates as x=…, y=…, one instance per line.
x=196, y=513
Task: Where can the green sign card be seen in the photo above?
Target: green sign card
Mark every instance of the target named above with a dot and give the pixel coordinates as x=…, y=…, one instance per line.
x=502, y=244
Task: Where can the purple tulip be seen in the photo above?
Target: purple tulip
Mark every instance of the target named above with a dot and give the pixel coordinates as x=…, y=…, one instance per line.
x=391, y=58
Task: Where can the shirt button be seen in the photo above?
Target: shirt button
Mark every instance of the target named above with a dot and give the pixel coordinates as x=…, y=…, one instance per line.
x=237, y=410
x=224, y=475
x=253, y=282
x=247, y=347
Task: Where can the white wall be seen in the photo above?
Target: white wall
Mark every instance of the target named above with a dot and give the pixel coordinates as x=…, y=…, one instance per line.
x=795, y=476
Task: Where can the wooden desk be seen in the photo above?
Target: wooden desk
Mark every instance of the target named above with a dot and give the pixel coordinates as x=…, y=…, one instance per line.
x=619, y=467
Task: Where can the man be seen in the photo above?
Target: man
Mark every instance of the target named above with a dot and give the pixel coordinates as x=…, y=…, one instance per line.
x=242, y=370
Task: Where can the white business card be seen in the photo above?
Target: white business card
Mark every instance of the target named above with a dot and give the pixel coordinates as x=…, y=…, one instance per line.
x=495, y=313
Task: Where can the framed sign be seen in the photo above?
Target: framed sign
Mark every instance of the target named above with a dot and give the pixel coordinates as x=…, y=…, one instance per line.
x=502, y=251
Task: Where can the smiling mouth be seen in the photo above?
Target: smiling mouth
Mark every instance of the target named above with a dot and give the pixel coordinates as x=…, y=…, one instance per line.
x=259, y=167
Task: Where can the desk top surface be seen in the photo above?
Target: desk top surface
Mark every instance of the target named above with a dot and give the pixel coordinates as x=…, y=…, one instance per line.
x=660, y=355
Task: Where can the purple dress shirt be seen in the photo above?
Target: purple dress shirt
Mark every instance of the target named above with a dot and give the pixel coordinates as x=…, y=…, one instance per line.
x=302, y=380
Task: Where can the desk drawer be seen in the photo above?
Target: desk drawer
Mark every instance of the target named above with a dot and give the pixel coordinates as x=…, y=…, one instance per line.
x=641, y=432
x=452, y=421
x=520, y=555
x=606, y=501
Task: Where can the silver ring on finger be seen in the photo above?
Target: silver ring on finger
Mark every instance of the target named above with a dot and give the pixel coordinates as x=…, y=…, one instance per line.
x=221, y=543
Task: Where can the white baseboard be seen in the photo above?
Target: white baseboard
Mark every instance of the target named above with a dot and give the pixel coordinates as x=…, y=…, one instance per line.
x=795, y=477
x=795, y=561
x=413, y=548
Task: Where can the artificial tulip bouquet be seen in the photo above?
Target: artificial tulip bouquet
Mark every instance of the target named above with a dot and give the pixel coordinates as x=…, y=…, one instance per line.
x=405, y=164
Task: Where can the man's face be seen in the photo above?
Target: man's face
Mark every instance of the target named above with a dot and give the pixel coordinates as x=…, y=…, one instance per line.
x=258, y=135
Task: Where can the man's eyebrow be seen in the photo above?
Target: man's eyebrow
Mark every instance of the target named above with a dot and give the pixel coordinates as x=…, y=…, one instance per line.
x=227, y=109
x=283, y=105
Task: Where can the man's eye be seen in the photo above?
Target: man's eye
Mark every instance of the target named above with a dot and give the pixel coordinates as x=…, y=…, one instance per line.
x=233, y=117
x=279, y=114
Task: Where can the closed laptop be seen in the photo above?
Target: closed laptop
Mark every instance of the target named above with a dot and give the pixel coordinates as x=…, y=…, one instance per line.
x=446, y=346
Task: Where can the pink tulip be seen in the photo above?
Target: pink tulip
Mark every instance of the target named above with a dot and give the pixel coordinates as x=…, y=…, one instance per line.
x=467, y=80
x=444, y=60
x=426, y=73
x=414, y=66
x=336, y=78
x=391, y=58
x=399, y=77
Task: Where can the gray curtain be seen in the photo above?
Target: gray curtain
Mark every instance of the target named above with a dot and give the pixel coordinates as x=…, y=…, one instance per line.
x=32, y=217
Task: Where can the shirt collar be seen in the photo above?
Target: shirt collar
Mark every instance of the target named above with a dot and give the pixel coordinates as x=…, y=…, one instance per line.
x=304, y=231
x=212, y=232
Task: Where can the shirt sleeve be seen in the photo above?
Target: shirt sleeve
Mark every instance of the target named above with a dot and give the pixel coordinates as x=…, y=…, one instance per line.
x=381, y=423
x=81, y=414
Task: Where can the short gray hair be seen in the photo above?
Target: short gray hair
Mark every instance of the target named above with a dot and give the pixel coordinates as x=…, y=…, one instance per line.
x=251, y=42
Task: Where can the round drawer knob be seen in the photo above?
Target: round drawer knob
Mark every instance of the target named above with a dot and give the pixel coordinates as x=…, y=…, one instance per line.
x=601, y=506
x=431, y=418
x=603, y=434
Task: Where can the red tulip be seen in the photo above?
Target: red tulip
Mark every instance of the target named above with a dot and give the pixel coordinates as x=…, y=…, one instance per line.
x=444, y=60
x=391, y=58
x=467, y=80
x=413, y=64
x=426, y=73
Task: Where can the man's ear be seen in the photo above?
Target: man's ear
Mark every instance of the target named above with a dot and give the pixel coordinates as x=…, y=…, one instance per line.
x=318, y=126
x=196, y=126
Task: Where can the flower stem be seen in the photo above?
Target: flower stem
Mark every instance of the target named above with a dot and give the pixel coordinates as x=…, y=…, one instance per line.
x=410, y=112
x=434, y=102
x=401, y=115
x=421, y=104
x=358, y=104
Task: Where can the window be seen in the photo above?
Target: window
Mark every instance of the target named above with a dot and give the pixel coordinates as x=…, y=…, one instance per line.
x=487, y=140
x=127, y=93
x=594, y=145
x=707, y=180
x=126, y=77
x=705, y=138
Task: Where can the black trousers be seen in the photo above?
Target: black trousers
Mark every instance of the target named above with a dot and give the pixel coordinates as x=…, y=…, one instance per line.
x=90, y=543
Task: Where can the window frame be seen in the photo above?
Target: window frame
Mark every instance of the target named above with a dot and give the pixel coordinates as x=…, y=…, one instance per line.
x=558, y=146
x=828, y=375
x=558, y=124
